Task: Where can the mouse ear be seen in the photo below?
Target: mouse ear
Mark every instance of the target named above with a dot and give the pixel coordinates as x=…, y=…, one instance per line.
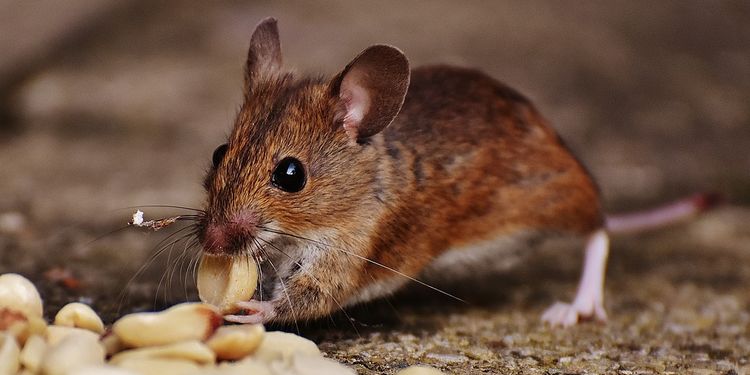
x=264, y=55
x=372, y=89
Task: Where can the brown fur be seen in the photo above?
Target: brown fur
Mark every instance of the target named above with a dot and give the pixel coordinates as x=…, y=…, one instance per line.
x=469, y=159
x=466, y=159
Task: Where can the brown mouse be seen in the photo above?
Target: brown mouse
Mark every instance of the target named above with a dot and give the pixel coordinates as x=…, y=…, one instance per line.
x=345, y=189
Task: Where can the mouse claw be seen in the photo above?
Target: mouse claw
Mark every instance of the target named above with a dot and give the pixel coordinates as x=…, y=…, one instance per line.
x=259, y=312
x=560, y=314
x=568, y=314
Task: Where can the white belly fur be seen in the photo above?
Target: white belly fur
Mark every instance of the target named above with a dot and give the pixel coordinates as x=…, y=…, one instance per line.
x=480, y=258
x=377, y=289
x=461, y=263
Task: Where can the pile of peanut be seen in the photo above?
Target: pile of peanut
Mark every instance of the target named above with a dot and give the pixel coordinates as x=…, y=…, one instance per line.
x=188, y=338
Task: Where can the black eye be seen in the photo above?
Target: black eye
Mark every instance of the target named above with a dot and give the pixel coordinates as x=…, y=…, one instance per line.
x=219, y=154
x=289, y=175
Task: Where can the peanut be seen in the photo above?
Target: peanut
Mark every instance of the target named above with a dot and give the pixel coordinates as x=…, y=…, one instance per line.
x=236, y=342
x=183, y=322
x=305, y=364
x=18, y=293
x=33, y=352
x=74, y=351
x=246, y=366
x=55, y=334
x=224, y=281
x=9, y=354
x=153, y=366
x=112, y=343
x=282, y=346
x=19, y=325
x=102, y=370
x=194, y=351
x=81, y=316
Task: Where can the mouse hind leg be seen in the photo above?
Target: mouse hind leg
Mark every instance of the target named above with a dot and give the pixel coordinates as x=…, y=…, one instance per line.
x=589, y=299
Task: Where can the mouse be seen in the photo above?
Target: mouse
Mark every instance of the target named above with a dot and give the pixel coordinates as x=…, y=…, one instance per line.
x=344, y=189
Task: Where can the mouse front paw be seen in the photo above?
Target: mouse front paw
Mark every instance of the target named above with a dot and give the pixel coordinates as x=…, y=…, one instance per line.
x=258, y=312
x=567, y=314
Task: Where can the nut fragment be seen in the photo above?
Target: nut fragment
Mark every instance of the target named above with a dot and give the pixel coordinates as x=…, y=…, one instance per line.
x=224, y=281
x=9, y=354
x=194, y=351
x=152, y=366
x=235, y=342
x=155, y=225
x=33, y=352
x=74, y=351
x=183, y=322
x=18, y=293
x=79, y=315
x=420, y=370
x=282, y=346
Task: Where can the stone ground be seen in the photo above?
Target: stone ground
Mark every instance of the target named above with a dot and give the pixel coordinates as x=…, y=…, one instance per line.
x=653, y=97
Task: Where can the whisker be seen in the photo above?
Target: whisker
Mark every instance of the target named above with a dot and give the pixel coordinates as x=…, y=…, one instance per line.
x=169, y=246
x=182, y=237
x=159, y=249
x=192, y=264
x=283, y=284
x=179, y=268
x=166, y=277
x=171, y=266
x=161, y=206
x=349, y=318
x=198, y=255
x=387, y=299
x=120, y=229
x=260, y=277
x=397, y=272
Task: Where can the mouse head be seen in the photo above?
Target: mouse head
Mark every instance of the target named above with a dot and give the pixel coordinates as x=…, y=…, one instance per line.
x=301, y=157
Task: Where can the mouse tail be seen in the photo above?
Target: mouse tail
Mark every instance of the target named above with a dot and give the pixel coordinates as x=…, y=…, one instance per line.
x=664, y=215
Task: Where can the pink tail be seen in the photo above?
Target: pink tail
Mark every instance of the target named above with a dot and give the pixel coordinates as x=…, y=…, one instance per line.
x=664, y=215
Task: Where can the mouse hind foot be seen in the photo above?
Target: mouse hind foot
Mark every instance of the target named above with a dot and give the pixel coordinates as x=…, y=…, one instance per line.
x=589, y=300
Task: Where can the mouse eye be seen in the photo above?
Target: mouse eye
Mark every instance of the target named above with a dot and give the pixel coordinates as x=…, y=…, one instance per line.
x=289, y=175
x=219, y=154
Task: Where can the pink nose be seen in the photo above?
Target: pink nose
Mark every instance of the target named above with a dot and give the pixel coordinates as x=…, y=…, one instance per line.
x=215, y=239
x=227, y=237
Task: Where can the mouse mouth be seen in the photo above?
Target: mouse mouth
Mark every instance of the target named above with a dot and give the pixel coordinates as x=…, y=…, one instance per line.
x=229, y=235
x=229, y=249
x=233, y=247
x=278, y=256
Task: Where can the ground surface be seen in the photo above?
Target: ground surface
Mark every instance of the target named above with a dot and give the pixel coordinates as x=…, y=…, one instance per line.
x=652, y=97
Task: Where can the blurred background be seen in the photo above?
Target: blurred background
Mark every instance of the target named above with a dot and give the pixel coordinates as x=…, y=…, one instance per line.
x=108, y=104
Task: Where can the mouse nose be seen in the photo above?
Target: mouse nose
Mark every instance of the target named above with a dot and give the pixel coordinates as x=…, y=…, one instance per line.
x=215, y=239
x=228, y=237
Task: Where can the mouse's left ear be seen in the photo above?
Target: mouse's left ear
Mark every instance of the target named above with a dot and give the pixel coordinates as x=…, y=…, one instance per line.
x=371, y=90
x=264, y=55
